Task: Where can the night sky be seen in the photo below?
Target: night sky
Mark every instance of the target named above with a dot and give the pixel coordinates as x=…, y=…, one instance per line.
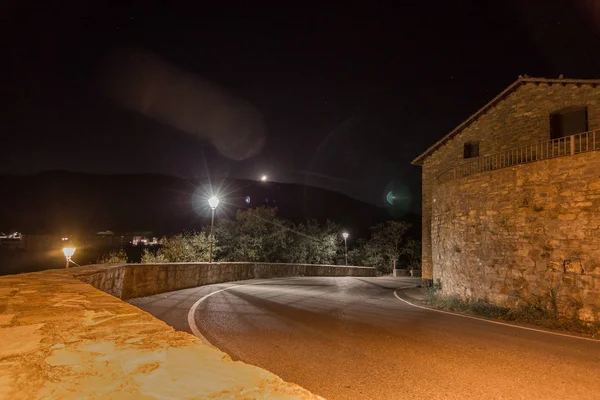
x=341, y=96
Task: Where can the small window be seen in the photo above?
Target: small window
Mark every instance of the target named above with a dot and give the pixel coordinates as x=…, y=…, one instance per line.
x=568, y=121
x=471, y=150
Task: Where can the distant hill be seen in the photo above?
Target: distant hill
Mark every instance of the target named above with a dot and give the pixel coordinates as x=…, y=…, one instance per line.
x=66, y=202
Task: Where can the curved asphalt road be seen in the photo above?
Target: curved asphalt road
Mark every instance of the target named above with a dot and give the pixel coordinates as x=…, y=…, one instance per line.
x=350, y=338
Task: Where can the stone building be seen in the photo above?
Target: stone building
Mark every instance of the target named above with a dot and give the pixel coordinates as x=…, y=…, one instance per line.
x=511, y=199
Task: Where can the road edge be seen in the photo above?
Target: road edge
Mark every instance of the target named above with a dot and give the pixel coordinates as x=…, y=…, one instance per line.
x=491, y=321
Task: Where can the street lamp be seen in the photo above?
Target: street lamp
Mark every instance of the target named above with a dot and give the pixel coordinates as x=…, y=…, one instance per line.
x=263, y=178
x=213, y=202
x=345, y=235
x=68, y=252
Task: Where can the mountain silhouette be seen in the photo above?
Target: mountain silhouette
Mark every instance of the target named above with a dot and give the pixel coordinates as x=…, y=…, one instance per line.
x=70, y=202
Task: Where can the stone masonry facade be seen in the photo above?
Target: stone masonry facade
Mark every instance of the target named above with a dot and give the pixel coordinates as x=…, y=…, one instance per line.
x=518, y=117
x=529, y=233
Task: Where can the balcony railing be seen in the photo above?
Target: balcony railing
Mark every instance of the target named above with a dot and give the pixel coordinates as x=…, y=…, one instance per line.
x=564, y=146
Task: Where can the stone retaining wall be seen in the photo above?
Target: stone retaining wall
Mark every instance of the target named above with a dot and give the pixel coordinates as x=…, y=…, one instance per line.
x=129, y=281
x=108, y=278
x=527, y=233
x=62, y=338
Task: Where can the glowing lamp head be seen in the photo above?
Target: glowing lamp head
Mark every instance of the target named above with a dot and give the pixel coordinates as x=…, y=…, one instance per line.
x=345, y=235
x=263, y=178
x=213, y=202
x=69, y=251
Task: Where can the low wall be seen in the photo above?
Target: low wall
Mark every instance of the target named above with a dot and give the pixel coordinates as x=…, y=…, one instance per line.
x=61, y=337
x=108, y=278
x=128, y=281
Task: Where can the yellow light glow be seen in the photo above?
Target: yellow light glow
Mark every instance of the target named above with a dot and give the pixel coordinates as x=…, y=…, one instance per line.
x=69, y=251
x=263, y=178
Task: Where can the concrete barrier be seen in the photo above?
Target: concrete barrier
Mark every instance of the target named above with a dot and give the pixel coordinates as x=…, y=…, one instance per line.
x=62, y=338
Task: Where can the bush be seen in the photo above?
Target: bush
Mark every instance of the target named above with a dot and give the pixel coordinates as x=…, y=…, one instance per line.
x=183, y=247
x=113, y=257
x=151, y=257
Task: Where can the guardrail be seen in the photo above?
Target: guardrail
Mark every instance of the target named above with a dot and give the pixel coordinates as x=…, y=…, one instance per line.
x=564, y=146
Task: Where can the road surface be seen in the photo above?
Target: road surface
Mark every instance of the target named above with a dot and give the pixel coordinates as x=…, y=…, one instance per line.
x=351, y=338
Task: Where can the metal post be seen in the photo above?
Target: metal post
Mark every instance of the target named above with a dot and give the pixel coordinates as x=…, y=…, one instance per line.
x=572, y=145
x=67, y=266
x=212, y=223
x=346, y=250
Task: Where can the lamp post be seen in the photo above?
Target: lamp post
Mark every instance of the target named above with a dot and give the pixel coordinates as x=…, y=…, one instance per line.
x=68, y=252
x=345, y=235
x=213, y=202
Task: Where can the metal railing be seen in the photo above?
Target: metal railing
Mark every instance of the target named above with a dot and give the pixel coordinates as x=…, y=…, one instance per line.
x=564, y=146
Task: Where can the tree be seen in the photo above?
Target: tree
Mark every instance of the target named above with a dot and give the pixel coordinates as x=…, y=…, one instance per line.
x=411, y=254
x=259, y=235
x=315, y=244
x=226, y=233
x=113, y=257
x=256, y=235
x=183, y=247
x=385, y=246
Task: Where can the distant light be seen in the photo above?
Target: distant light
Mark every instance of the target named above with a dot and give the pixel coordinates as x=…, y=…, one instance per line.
x=65, y=239
x=263, y=178
x=247, y=200
x=69, y=251
x=213, y=202
x=345, y=235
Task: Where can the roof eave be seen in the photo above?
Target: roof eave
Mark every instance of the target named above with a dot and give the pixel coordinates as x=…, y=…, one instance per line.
x=420, y=159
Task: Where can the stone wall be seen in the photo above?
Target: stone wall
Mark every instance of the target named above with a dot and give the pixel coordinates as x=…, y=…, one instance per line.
x=108, y=278
x=521, y=118
x=521, y=233
x=61, y=338
x=138, y=280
